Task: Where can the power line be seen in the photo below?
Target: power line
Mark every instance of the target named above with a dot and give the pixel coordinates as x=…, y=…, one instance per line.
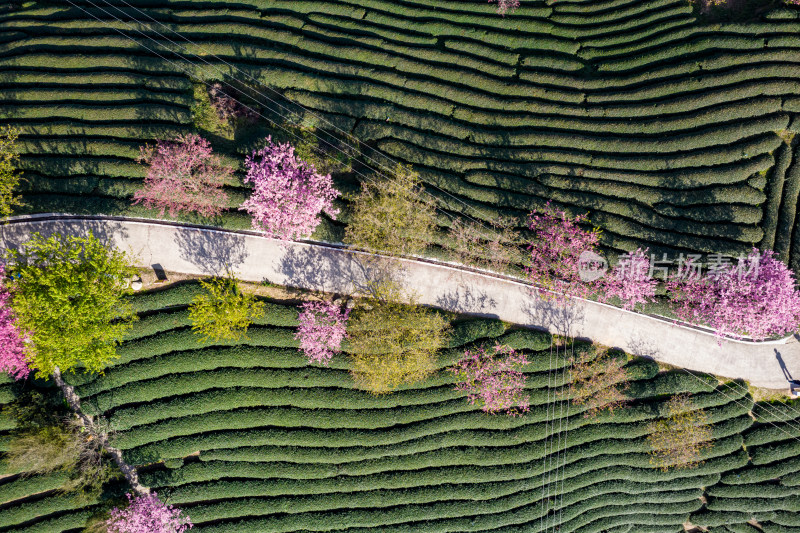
x=262, y=94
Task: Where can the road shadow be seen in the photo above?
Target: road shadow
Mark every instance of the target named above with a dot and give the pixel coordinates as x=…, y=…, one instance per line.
x=641, y=346
x=557, y=314
x=214, y=253
x=326, y=270
x=108, y=232
x=320, y=270
x=467, y=298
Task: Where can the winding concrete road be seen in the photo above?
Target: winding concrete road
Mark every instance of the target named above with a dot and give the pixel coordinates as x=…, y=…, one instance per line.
x=330, y=268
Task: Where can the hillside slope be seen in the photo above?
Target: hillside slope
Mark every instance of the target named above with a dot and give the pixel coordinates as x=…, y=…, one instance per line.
x=672, y=132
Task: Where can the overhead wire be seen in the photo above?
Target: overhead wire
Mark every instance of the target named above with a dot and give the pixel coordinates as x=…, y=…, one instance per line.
x=305, y=110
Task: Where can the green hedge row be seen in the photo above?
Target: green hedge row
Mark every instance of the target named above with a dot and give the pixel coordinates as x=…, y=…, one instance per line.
x=579, y=460
x=416, y=418
x=426, y=435
x=121, y=80
x=24, y=487
x=22, y=512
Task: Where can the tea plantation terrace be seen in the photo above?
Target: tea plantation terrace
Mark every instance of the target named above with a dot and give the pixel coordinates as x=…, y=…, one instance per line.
x=673, y=132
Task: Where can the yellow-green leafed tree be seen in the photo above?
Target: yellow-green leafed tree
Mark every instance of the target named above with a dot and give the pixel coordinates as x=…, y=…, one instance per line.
x=392, y=216
x=70, y=293
x=391, y=343
x=679, y=438
x=223, y=312
x=9, y=176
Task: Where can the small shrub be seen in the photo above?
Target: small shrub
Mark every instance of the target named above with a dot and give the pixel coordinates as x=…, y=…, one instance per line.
x=204, y=116
x=504, y=6
x=94, y=467
x=223, y=312
x=678, y=439
x=9, y=176
x=146, y=513
x=43, y=450
x=36, y=409
x=493, y=379
x=598, y=381
x=322, y=149
x=321, y=331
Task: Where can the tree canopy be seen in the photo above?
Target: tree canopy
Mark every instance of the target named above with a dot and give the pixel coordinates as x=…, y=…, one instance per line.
x=183, y=175
x=392, y=216
x=679, y=438
x=70, y=294
x=392, y=343
x=9, y=176
x=223, y=312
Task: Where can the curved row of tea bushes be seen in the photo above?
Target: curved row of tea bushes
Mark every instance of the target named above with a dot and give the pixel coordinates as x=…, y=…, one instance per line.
x=251, y=438
x=596, y=93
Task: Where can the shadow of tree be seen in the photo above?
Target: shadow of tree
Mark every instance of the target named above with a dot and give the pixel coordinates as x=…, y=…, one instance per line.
x=467, y=298
x=108, y=232
x=215, y=253
x=559, y=315
x=326, y=270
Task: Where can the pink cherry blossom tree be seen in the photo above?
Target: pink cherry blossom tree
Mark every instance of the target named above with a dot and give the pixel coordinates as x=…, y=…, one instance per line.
x=630, y=280
x=755, y=297
x=288, y=194
x=322, y=330
x=12, y=340
x=504, y=6
x=493, y=379
x=555, y=251
x=183, y=175
x=147, y=514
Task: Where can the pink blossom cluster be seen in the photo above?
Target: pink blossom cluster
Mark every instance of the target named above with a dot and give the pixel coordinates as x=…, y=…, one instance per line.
x=289, y=194
x=183, y=176
x=740, y=300
x=504, y=6
x=493, y=381
x=322, y=329
x=556, y=249
x=147, y=514
x=630, y=280
x=12, y=340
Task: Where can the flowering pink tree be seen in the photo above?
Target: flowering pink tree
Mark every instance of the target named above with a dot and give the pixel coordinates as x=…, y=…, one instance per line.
x=755, y=297
x=183, y=176
x=289, y=194
x=12, y=340
x=556, y=251
x=147, y=514
x=630, y=280
x=322, y=330
x=493, y=381
x=505, y=5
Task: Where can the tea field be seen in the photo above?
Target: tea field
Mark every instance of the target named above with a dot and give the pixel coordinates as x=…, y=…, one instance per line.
x=672, y=130
x=249, y=438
